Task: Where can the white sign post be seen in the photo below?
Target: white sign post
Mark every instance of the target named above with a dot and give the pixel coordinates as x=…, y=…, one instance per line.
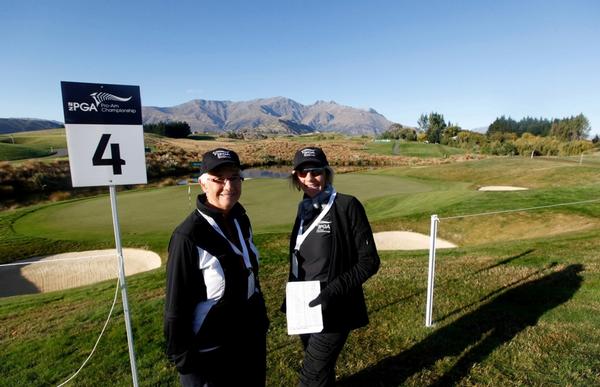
x=105, y=140
x=431, y=271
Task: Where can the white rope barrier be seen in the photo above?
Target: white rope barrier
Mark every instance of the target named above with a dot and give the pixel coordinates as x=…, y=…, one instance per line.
x=518, y=210
x=99, y=337
x=433, y=235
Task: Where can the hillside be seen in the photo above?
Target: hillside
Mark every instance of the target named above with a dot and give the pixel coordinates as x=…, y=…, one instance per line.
x=13, y=125
x=276, y=115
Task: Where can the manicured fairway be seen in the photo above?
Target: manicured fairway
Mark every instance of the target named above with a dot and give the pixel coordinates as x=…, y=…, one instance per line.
x=19, y=152
x=26, y=145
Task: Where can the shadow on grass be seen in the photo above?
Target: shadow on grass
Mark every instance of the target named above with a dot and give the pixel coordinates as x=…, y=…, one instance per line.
x=13, y=283
x=477, y=333
x=506, y=261
x=495, y=292
x=420, y=292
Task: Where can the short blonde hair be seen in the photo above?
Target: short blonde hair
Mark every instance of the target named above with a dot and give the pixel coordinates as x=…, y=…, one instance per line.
x=203, y=179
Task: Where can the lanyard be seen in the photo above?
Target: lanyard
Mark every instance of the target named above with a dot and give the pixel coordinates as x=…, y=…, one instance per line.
x=244, y=253
x=302, y=235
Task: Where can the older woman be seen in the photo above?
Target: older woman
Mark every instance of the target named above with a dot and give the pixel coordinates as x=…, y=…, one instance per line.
x=332, y=243
x=215, y=318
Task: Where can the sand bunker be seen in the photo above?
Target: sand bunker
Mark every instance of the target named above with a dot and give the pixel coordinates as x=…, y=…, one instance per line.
x=501, y=188
x=406, y=240
x=71, y=270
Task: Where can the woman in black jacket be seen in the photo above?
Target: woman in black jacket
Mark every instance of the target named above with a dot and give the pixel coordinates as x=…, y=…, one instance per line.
x=215, y=320
x=331, y=242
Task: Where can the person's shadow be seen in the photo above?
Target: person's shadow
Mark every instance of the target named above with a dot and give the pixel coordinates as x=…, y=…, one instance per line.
x=481, y=331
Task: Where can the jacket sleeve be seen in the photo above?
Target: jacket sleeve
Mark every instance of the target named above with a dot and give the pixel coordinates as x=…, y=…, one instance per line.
x=179, y=303
x=367, y=260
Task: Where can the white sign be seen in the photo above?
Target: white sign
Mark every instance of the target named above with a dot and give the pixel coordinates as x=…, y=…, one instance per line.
x=105, y=135
x=106, y=154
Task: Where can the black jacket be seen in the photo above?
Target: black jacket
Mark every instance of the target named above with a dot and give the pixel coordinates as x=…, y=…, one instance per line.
x=353, y=260
x=224, y=281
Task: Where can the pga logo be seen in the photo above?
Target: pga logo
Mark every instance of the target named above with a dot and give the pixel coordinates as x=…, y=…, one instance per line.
x=84, y=107
x=99, y=98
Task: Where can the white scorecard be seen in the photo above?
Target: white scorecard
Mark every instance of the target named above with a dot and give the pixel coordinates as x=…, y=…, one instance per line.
x=302, y=318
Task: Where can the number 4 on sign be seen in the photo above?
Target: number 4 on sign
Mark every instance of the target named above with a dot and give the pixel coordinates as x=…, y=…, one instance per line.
x=115, y=155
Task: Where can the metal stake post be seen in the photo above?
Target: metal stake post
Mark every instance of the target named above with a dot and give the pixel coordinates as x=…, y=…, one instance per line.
x=123, y=284
x=431, y=274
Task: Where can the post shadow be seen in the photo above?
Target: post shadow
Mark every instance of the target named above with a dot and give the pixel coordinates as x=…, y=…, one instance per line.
x=482, y=331
x=506, y=261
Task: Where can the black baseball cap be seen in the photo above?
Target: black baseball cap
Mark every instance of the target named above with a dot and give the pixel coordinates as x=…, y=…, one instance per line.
x=313, y=155
x=216, y=158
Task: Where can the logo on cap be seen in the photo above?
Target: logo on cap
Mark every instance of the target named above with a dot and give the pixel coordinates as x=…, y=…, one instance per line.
x=222, y=154
x=308, y=152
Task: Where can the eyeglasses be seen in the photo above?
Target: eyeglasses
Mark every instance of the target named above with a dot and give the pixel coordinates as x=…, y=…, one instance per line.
x=223, y=180
x=313, y=171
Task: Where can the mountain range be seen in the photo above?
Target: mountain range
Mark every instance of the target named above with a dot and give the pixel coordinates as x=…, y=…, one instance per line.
x=278, y=115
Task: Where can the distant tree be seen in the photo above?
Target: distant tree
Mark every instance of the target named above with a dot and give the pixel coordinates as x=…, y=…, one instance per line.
x=571, y=129
x=450, y=134
x=240, y=136
x=537, y=126
x=435, y=127
x=503, y=124
x=566, y=128
x=399, y=132
x=595, y=139
x=174, y=129
x=423, y=123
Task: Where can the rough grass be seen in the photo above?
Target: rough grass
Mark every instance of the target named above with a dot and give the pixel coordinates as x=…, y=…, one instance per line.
x=516, y=304
x=412, y=149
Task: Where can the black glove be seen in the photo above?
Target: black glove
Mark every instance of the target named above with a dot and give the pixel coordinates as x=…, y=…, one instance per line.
x=322, y=299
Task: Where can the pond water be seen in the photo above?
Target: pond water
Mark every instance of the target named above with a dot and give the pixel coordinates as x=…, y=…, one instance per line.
x=267, y=173
x=250, y=173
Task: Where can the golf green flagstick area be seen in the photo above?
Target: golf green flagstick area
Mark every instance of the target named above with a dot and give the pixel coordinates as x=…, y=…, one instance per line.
x=517, y=303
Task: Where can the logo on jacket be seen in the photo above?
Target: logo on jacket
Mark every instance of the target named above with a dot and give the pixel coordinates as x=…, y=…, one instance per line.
x=324, y=227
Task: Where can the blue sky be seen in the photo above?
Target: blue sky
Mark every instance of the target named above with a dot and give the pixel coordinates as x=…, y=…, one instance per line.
x=472, y=61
